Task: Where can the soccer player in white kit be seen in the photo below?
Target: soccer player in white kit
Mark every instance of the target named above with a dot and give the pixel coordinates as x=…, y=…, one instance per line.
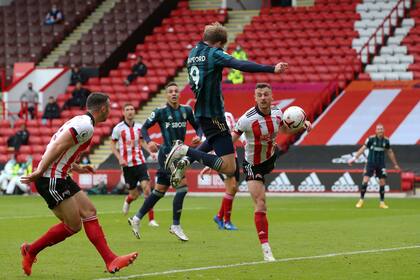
x=64, y=197
x=261, y=125
x=131, y=158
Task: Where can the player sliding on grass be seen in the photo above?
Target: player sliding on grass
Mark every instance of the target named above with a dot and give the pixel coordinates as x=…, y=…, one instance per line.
x=172, y=120
x=130, y=156
x=205, y=66
x=377, y=144
x=222, y=219
x=63, y=196
x=260, y=125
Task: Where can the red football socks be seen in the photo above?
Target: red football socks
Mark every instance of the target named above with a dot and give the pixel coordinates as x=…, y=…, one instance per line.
x=151, y=214
x=129, y=199
x=261, y=224
x=97, y=238
x=227, y=206
x=54, y=235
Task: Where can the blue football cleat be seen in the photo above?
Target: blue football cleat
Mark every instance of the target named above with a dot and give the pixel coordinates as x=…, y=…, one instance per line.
x=219, y=222
x=230, y=226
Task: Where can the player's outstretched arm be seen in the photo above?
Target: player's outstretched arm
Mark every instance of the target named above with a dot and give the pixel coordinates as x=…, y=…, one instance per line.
x=252, y=67
x=392, y=157
x=359, y=152
x=53, y=152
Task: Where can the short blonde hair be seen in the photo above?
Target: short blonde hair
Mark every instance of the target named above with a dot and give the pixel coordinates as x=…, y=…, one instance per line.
x=214, y=33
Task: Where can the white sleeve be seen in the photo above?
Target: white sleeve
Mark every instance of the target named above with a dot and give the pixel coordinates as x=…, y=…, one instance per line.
x=242, y=125
x=115, y=134
x=81, y=131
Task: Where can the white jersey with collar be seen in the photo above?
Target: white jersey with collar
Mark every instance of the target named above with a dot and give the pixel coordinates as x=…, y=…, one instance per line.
x=260, y=133
x=129, y=140
x=81, y=129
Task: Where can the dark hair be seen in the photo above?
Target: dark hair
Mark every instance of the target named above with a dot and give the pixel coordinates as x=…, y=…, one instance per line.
x=262, y=85
x=128, y=105
x=214, y=33
x=170, y=84
x=95, y=100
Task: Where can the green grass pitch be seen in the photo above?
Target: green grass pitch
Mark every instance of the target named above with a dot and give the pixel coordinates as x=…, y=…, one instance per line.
x=299, y=227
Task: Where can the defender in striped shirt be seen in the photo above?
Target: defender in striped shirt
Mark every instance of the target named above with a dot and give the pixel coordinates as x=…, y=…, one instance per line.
x=63, y=196
x=131, y=158
x=261, y=125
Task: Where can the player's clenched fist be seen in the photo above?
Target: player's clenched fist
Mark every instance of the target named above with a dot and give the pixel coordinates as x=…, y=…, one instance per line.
x=281, y=67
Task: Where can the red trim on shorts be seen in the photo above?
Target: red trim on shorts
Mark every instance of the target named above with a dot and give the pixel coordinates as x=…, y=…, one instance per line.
x=270, y=127
x=256, y=129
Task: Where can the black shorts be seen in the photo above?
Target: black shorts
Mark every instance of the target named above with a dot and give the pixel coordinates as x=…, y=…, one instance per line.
x=257, y=172
x=163, y=177
x=135, y=174
x=217, y=135
x=378, y=170
x=224, y=177
x=55, y=190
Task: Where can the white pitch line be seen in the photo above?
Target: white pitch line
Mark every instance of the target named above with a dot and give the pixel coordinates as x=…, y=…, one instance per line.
x=331, y=255
x=99, y=213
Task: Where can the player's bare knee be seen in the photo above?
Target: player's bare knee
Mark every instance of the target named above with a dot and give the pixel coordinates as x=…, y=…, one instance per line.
x=74, y=224
x=88, y=212
x=260, y=207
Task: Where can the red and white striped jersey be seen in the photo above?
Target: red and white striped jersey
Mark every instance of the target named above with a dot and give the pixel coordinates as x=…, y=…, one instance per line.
x=260, y=133
x=230, y=120
x=81, y=128
x=129, y=142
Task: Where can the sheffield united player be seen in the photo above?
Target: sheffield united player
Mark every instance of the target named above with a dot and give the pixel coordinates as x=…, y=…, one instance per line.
x=172, y=120
x=130, y=156
x=63, y=196
x=260, y=125
x=222, y=218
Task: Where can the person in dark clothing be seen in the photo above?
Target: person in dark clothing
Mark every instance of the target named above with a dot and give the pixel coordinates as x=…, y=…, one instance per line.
x=20, y=138
x=54, y=16
x=79, y=97
x=138, y=69
x=52, y=110
x=76, y=76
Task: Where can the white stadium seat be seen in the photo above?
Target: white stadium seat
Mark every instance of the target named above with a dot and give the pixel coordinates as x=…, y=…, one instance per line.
x=377, y=76
x=371, y=68
x=408, y=22
x=406, y=75
x=401, y=67
x=384, y=68
x=391, y=76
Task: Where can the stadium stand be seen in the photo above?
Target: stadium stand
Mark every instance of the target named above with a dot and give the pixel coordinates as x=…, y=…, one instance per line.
x=412, y=43
x=386, y=19
x=316, y=42
x=353, y=115
x=164, y=54
x=24, y=37
x=108, y=34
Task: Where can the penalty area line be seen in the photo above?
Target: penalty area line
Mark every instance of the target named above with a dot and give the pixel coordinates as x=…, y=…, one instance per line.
x=331, y=255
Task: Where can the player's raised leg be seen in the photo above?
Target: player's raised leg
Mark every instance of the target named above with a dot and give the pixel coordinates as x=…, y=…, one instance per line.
x=257, y=191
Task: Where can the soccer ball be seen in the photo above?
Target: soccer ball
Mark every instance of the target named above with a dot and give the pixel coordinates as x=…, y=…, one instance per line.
x=294, y=118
